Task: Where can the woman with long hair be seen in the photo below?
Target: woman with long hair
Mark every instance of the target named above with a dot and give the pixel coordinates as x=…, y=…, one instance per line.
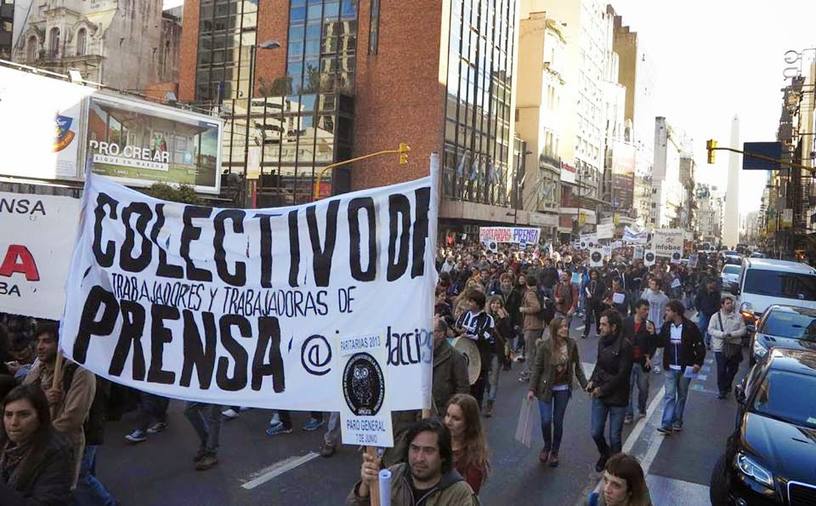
x=468, y=440
x=36, y=465
x=557, y=362
x=623, y=484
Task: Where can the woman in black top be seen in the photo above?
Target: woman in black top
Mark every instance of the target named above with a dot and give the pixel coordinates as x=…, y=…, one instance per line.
x=36, y=464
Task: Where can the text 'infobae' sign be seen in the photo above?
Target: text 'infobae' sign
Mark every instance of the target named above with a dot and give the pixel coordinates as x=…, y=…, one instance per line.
x=249, y=306
x=37, y=234
x=668, y=242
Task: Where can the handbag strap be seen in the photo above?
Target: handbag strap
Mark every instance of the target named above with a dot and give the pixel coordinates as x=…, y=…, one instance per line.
x=719, y=317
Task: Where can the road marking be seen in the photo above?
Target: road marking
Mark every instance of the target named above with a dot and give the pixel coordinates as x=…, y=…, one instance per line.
x=277, y=469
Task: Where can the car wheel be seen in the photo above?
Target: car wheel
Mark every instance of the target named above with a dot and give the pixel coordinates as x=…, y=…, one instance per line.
x=718, y=492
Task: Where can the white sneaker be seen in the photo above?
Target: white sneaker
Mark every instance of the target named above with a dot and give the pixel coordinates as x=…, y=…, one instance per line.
x=230, y=414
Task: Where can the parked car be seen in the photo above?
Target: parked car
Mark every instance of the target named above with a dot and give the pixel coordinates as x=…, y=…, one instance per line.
x=730, y=277
x=757, y=254
x=784, y=327
x=765, y=282
x=770, y=457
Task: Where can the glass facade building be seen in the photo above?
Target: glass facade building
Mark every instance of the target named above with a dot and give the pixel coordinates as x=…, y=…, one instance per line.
x=296, y=123
x=6, y=23
x=478, y=111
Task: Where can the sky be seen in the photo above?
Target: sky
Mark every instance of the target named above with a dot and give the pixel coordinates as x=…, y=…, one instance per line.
x=714, y=59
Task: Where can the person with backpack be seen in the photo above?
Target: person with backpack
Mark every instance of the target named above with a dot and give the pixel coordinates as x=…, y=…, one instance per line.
x=89, y=490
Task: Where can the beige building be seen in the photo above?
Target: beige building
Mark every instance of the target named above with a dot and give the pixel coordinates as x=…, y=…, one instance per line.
x=636, y=74
x=124, y=44
x=540, y=110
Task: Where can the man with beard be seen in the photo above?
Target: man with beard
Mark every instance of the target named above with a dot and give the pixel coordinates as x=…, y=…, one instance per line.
x=426, y=475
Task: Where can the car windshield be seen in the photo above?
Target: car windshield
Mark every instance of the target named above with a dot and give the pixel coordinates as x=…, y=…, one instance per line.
x=730, y=253
x=788, y=285
x=791, y=325
x=732, y=269
x=787, y=396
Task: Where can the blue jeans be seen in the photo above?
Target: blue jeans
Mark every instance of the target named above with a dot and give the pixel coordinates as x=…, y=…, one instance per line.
x=640, y=380
x=600, y=412
x=89, y=491
x=674, y=402
x=152, y=408
x=552, y=419
x=702, y=324
x=206, y=420
x=493, y=377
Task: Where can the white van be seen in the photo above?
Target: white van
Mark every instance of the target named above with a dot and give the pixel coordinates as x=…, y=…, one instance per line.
x=765, y=282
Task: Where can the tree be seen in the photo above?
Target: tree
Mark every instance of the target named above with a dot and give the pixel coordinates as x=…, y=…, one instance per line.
x=184, y=194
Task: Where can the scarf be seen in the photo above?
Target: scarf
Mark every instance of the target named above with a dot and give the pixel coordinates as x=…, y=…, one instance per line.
x=12, y=456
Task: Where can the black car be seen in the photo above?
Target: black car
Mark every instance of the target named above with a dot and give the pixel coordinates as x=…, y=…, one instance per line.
x=770, y=459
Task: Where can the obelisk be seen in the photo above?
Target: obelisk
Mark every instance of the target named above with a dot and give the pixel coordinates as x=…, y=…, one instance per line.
x=731, y=218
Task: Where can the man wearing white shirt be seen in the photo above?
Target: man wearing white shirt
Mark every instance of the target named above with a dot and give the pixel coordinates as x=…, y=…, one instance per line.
x=683, y=356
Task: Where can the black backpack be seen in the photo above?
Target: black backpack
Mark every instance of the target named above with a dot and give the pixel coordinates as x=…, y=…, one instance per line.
x=94, y=426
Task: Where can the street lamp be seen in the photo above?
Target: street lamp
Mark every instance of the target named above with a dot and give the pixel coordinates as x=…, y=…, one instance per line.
x=268, y=44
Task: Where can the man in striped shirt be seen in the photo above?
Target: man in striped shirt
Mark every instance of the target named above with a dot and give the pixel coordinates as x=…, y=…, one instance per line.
x=478, y=326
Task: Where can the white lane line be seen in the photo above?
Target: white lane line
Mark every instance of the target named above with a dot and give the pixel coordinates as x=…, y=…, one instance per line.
x=654, y=444
x=277, y=469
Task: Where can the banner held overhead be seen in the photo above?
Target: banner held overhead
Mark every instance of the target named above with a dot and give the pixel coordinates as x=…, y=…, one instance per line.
x=250, y=306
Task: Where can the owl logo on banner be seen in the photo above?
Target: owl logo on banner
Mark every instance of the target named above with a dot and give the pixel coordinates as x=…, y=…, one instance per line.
x=596, y=258
x=675, y=258
x=492, y=246
x=584, y=244
x=363, y=385
x=649, y=258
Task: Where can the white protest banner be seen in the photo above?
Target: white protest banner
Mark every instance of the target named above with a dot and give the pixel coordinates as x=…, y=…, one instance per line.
x=588, y=241
x=649, y=258
x=605, y=231
x=365, y=414
x=37, y=234
x=638, y=253
x=632, y=235
x=666, y=241
x=516, y=235
x=692, y=260
x=607, y=251
x=248, y=306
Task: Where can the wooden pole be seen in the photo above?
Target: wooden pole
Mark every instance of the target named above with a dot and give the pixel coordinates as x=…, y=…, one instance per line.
x=57, y=381
x=374, y=489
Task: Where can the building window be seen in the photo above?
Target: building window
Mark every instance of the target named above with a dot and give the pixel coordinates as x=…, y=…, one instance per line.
x=374, y=29
x=80, y=45
x=53, y=42
x=31, y=49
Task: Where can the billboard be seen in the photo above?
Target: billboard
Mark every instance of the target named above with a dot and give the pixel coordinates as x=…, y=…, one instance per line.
x=40, y=126
x=139, y=144
x=60, y=128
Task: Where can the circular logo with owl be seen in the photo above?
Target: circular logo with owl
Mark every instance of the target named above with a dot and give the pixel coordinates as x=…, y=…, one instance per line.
x=363, y=385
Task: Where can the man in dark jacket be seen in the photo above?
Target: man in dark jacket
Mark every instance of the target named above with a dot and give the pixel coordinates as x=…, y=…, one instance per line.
x=595, y=292
x=683, y=356
x=549, y=277
x=609, y=385
x=707, y=303
x=641, y=333
x=449, y=369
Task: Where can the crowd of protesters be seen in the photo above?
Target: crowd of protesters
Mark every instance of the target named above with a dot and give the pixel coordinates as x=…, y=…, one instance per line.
x=517, y=306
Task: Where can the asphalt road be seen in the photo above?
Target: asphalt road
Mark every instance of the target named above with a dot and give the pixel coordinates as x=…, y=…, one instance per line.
x=255, y=469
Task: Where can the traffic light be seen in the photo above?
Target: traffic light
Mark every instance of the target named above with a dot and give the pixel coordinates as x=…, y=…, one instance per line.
x=403, y=153
x=711, y=145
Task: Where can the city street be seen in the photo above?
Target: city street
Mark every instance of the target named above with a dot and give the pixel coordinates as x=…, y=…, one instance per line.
x=287, y=469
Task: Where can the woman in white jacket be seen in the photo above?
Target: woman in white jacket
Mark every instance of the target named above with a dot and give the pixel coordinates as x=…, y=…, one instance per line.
x=726, y=328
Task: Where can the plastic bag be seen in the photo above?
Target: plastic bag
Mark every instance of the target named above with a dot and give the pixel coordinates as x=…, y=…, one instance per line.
x=526, y=423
